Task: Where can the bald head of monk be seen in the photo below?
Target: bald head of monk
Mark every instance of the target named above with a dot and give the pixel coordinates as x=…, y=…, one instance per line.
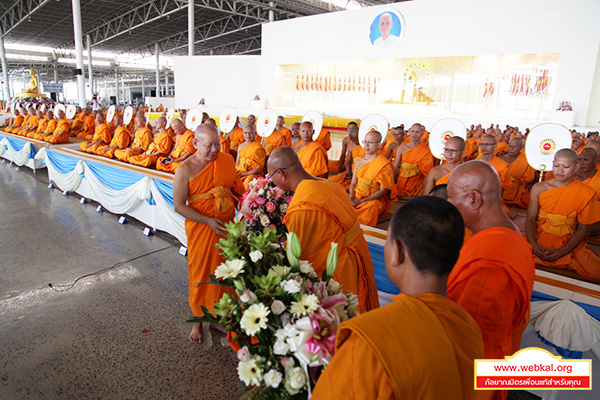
x=515, y=145
x=161, y=122
x=40, y=114
x=306, y=132
x=140, y=121
x=118, y=118
x=249, y=132
x=50, y=114
x=207, y=142
x=353, y=133
x=178, y=126
x=454, y=149
x=415, y=132
x=565, y=165
x=423, y=244
x=295, y=128
x=488, y=145
x=285, y=169
x=100, y=118
x=251, y=119
x=596, y=146
x=211, y=121
x=587, y=160
x=474, y=188
x=372, y=142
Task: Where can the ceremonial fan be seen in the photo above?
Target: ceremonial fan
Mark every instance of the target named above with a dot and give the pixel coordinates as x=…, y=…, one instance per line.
x=59, y=106
x=70, y=112
x=193, y=118
x=227, y=119
x=265, y=125
x=373, y=122
x=110, y=114
x=316, y=118
x=127, y=115
x=443, y=130
x=169, y=117
x=43, y=108
x=543, y=142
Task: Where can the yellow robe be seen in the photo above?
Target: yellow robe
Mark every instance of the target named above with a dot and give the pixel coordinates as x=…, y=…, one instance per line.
x=236, y=138
x=313, y=158
x=251, y=156
x=62, y=126
x=183, y=145
x=41, y=128
x=103, y=133
x=273, y=141
x=120, y=139
x=324, y=139
x=143, y=138
x=416, y=164
x=357, y=152
x=162, y=142
x=520, y=173
x=372, y=176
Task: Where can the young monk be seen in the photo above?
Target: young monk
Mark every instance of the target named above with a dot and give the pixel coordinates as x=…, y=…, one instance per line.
x=559, y=218
x=250, y=163
x=350, y=153
x=454, y=151
x=520, y=173
x=413, y=163
x=422, y=345
x=312, y=154
x=119, y=141
x=160, y=147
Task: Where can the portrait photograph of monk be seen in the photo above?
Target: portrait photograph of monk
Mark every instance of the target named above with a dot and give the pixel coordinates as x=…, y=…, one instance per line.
x=385, y=31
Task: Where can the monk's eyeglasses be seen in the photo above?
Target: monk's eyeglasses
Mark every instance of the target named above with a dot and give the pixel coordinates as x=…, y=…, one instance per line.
x=274, y=172
x=487, y=144
x=452, y=150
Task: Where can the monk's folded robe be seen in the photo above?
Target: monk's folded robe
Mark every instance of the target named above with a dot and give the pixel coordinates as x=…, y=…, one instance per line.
x=58, y=136
x=252, y=156
x=416, y=164
x=50, y=127
x=120, y=139
x=520, y=173
x=273, y=141
x=372, y=176
x=313, y=158
x=594, y=183
x=142, y=140
x=288, y=135
x=162, y=143
x=103, y=133
x=324, y=139
x=183, y=144
x=357, y=152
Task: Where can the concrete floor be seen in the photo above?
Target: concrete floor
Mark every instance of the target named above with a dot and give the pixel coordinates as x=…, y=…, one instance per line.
x=117, y=334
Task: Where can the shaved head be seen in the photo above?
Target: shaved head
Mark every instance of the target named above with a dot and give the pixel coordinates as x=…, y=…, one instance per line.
x=477, y=176
x=569, y=154
x=284, y=157
x=458, y=141
x=206, y=130
x=352, y=132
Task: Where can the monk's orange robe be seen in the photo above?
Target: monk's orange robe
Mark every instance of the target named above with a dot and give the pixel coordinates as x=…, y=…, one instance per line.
x=313, y=158
x=443, y=180
x=324, y=139
x=224, y=144
x=210, y=194
x=520, y=173
x=56, y=138
x=594, y=182
x=90, y=125
x=324, y=207
x=501, y=167
x=236, y=138
x=495, y=288
x=417, y=347
x=251, y=156
x=376, y=174
x=120, y=139
x=75, y=125
x=501, y=148
x=288, y=135
x=385, y=148
x=357, y=152
x=162, y=143
x=41, y=128
x=16, y=122
x=103, y=133
x=273, y=141
x=470, y=149
x=182, y=145
x=416, y=164
x=50, y=127
x=143, y=138
x=560, y=209
x=32, y=122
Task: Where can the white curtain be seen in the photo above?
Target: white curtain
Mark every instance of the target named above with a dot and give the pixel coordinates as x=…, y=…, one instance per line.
x=18, y=157
x=66, y=182
x=175, y=221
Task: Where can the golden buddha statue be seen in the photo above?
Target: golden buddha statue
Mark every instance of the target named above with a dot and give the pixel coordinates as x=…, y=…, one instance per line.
x=33, y=90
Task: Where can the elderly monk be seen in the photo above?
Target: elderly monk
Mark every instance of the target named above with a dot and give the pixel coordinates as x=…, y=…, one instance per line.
x=587, y=172
x=61, y=133
x=119, y=141
x=493, y=286
x=46, y=127
x=16, y=122
x=521, y=175
x=321, y=213
x=372, y=182
x=559, y=218
x=31, y=124
x=102, y=136
x=311, y=154
x=160, y=147
x=285, y=131
x=351, y=152
x=250, y=163
x=488, y=149
x=142, y=138
x=76, y=125
x=203, y=190
x=295, y=128
x=42, y=121
x=235, y=136
x=89, y=122
x=273, y=141
x=182, y=149
x=422, y=345
x=412, y=164
x=454, y=151
x=340, y=165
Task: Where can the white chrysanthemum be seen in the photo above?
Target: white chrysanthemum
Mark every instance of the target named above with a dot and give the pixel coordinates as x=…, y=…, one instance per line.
x=255, y=318
x=250, y=372
x=295, y=380
x=256, y=255
x=230, y=269
x=307, y=305
x=273, y=378
x=280, y=270
x=281, y=348
x=264, y=221
x=291, y=286
x=306, y=267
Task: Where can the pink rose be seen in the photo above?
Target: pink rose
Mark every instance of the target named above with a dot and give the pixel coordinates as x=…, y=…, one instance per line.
x=270, y=207
x=243, y=354
x=261, y=200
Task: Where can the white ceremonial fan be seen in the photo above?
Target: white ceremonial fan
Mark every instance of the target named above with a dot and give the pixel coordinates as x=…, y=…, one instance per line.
x=316, y=118
x=265, y=123
x=43, y=108
x=193, y=118
x=227, y=119
x=373, y=122
x=70, y=111
x=543, y=142
x=34, y=106
x=110, y=114
x=169, y=117
x=127, y=115
x=443, y=130
x=57, y=107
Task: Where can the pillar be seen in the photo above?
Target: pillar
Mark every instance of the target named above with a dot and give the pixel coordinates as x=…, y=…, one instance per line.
x=79, y=51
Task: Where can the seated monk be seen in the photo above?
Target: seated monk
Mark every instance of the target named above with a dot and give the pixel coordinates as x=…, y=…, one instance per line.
x=412, y=164
x=235, y=137
x=454, y=150
x=295, y=128
x=102, y=136
x=311, y=154
x=319, y=205
x=273, y=141
x=560, y=214
x=587, y=172
x=521, y=175
x=422, y=345
x=182, y=149
x=161, y=147
x=76, y=125
x=120, y=139
x=354, y=151
x=493, y=277
x=61, y=133
x=89, y=122
x=46, y=129
x=250, y=162
x=372, y=182
x=501, y=145
x=40, y=127
x=17, y=121
x=142, y=138
x=388, y=150
x=340, y=165
x=32, y=120
x=284, y=131
x=324, y=139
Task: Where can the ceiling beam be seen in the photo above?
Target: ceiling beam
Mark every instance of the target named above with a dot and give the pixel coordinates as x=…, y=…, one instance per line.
x=19, y=12
x=244, y=46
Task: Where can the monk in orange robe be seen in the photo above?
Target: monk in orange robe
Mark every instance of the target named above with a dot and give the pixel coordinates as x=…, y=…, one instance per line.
x=61, y=133
x=372, y=182
x=102, y=136
x=412, y=164
x=120, y=139
x=89, y=122
x=235, y=136
x=487, y=146
x=587, y=172
x=351, y=152
x=520, y=173
x=182, y=149
x=250, y=163
x=323, y=207
x=224, y=141
x=142, y=138
x=287, y=133
x=454, y=151
x=273, y=141
x=501, y=145
x=559, y=218
x=47, y=128
x=42, y=121
x=394, y=141
x=324, y=139
x=295, y=128
x=76, y=125
x=494, y=286
x=17, y=121
x=161, y=147
x=32, y=122
x=336, y=166
x=203, y=190
x=311, y=154
x=422, y=345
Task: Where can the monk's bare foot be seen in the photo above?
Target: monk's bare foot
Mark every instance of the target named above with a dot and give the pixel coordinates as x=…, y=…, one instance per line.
x=218, y=327
x=196, y=333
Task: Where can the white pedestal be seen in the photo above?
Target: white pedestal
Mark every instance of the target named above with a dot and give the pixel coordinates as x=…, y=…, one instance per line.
x=258, y=105
x=566, y=118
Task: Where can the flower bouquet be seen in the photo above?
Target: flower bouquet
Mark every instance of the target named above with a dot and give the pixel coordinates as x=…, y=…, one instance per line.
x=564, y=106
x=264, y=205
x=283, y=317
x=37, y=102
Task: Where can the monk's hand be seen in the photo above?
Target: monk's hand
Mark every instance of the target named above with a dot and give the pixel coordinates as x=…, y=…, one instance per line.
x=217, y=226
x=539, y=250
x=553, y=254
x=356, y=202
x=348, y=175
